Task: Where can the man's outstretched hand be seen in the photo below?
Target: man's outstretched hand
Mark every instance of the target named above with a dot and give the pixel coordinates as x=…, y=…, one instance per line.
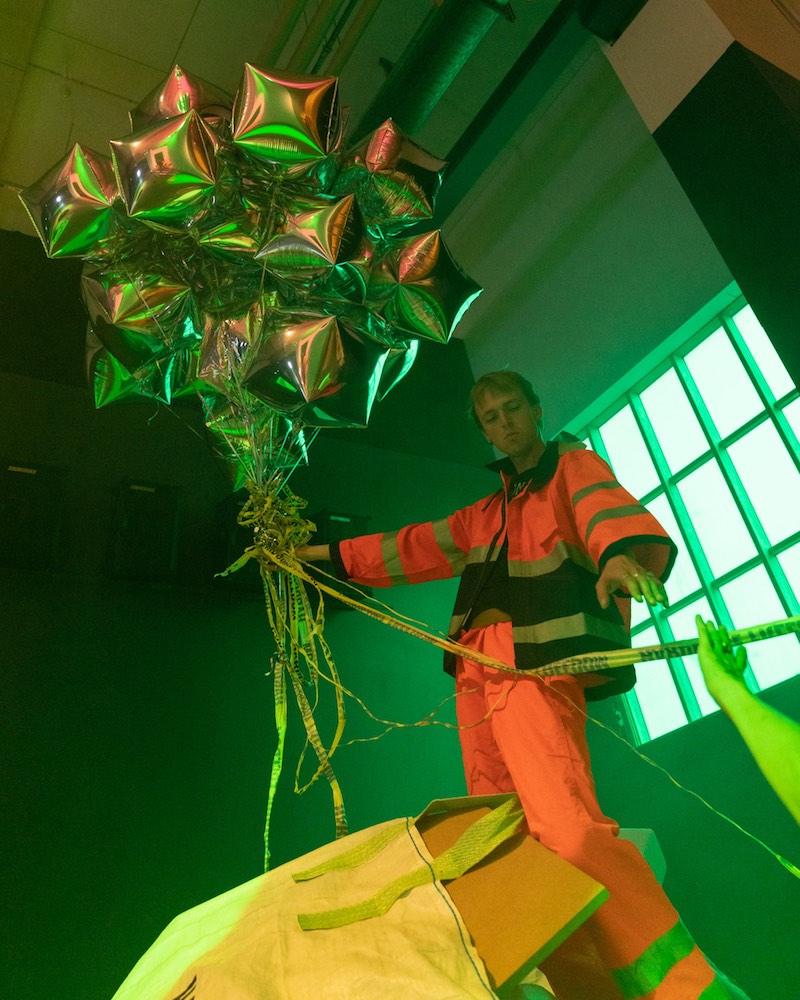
x=624, y=572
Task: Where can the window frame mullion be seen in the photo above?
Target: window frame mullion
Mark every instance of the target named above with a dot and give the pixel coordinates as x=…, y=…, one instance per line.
x=736, y=488
x=718, y=316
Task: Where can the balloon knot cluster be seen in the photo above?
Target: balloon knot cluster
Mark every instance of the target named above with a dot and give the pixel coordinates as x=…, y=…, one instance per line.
x=276, y=520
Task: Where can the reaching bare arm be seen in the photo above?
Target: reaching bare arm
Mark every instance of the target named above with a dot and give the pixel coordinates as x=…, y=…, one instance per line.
x=772, y=738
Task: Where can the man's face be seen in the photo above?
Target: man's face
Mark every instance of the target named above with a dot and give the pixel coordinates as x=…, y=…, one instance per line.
x=511, y=424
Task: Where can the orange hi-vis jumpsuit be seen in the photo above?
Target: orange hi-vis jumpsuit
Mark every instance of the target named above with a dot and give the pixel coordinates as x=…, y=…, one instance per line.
x=555, y=527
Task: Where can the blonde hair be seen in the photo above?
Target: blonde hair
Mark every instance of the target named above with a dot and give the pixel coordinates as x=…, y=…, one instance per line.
x=503, y=381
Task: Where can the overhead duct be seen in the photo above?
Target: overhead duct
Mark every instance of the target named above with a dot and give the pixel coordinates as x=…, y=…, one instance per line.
x=352, y=36
x=447, y=37
x=557, y=41
x=319, y=38
x=314, y=35
x=280, y=33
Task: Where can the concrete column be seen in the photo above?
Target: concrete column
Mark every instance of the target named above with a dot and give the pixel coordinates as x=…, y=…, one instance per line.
x=719, y=89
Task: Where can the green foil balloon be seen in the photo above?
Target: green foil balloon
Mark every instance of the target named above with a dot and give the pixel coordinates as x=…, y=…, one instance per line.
x=226, y=345
x=141, y=320
x=71, y=206
x=394, y=179
x=179, y=93
x=398, y=364
x=233, y=239
x=160, y=380
x=313, y=241
x=314, y=367
x=166, y=172
x=286, y=119
x=419, y=289
x=359, y=386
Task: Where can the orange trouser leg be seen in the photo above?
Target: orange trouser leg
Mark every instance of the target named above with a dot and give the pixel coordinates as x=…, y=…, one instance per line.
x=534, y=743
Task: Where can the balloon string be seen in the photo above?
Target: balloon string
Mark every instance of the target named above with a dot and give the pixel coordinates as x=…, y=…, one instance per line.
x=583, y=663
x=580, y=664
x=788, y=865
x=279, y=690
x=274, y=512
x=282, y=556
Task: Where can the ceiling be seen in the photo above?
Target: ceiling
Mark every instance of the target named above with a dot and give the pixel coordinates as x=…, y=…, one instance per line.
x=560, y=204
x=70, y=71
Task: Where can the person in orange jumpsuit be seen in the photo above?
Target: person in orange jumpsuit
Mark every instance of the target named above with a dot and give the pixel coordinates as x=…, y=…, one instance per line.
x=547, y=567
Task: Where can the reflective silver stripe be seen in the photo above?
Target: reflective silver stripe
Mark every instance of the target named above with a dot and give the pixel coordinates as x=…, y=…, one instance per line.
x=643, y=976
x=391, y=558
x=479, y=553
x=444, y=539
x=569, y=627
x=390, y=551
x=456, y=623
x=716, y=991
x=630, y=510
x=547, y=564
x=610, y=484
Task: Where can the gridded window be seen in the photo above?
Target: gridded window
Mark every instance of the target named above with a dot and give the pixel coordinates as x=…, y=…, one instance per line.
x=709, y=443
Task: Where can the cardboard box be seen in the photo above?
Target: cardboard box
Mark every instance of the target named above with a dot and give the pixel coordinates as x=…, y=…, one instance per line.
x=521, y=902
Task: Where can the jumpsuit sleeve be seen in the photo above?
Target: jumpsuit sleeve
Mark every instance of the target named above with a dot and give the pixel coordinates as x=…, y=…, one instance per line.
x=435, y=550
x=610, y=521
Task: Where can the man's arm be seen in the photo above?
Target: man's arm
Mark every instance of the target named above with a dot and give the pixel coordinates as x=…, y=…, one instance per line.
x=772, y=738
x=621, y=536
x=313, y=553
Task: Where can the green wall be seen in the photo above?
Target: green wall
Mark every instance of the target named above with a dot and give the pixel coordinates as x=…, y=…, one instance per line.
x=137, y=718
x=736, y=899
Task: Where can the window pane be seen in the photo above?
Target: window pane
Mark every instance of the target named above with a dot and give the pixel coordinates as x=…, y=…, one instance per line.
x=707, y=521
x=792, y=414
x=723, y=383
x=683, y=626
x=771, y=479
x=683, y=579
x=751, y=600
x=674, y=421
x=790, y=561
x=764, y=354
x=627, y=453
x=716, y=519
x=655, y=692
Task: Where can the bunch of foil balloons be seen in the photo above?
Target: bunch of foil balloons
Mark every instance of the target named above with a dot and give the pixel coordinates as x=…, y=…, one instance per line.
x=242, y=251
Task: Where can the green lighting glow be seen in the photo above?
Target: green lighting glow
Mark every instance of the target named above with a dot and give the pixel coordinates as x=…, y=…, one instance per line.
x=711, y=446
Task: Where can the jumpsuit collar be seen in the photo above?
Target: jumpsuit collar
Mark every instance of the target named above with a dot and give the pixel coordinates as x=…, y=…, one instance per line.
x=529, y=479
